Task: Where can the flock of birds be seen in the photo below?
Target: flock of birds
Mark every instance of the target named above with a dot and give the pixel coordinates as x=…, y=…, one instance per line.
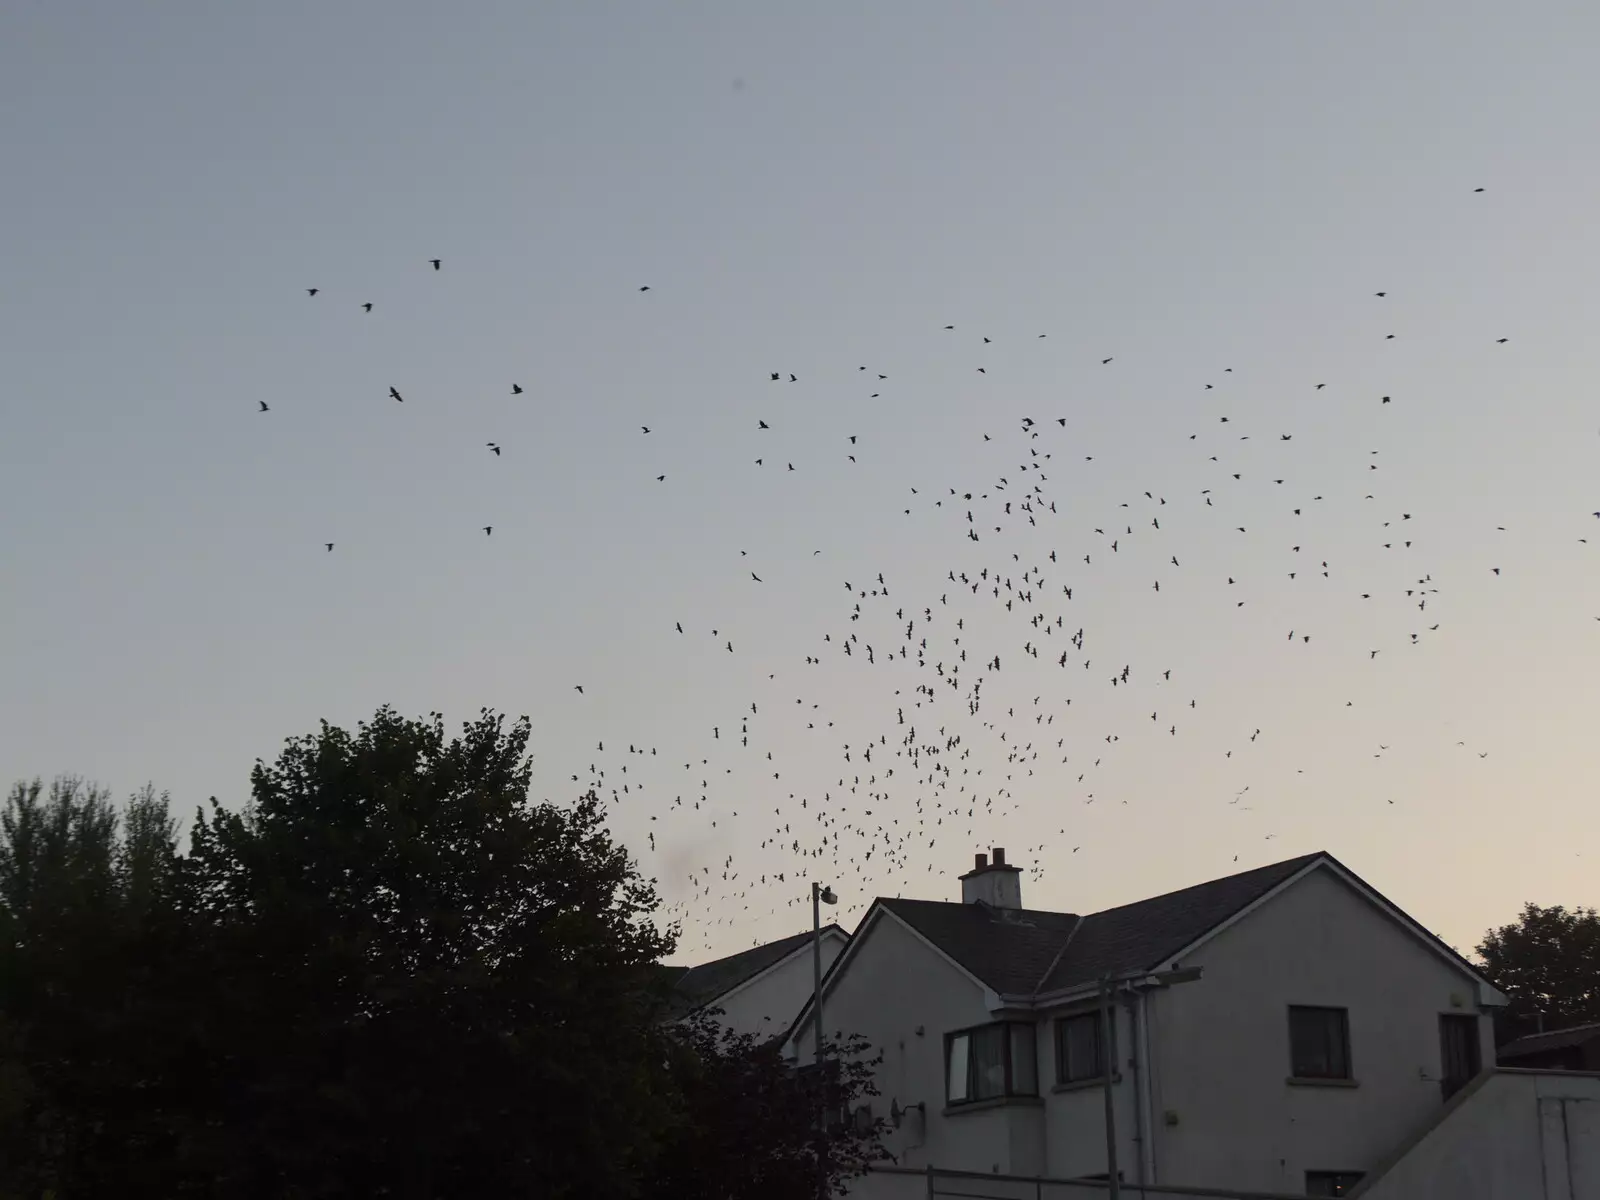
x=989, y=691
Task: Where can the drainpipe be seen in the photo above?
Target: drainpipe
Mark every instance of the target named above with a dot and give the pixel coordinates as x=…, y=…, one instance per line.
x=1145, y=1100
x=1133, y=1001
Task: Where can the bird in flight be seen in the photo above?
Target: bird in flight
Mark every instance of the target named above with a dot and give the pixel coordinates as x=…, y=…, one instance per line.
x=396, y=395
x=367, y=307
x=263, y=404
x=645, y=288
x=646, y=428
x=516, y=389
x=1501, y=341
x=754, y=576
x=487, y=530
x=329, y=545
x=493, y=447
x=435, y=263
x=312, y=291
x=578, y=688
x=1104, y=361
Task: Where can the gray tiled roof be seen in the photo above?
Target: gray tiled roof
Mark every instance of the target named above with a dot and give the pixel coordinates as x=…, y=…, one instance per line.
x=1556, y=1039
x=1141, y=935
x=1009, y=949
x=697, y=986
x=1029, y=952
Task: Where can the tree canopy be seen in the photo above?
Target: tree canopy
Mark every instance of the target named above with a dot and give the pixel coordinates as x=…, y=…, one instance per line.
x=1548, y=964
x=390, y=973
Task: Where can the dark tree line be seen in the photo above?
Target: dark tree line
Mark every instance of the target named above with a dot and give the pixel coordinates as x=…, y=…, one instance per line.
x=390, y=974
x=1548, y=964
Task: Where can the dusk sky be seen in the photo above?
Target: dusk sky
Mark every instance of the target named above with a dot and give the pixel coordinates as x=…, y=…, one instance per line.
x=1203, y=194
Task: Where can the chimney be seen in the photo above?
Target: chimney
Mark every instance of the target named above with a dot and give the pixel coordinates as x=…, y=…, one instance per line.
x=995, y=884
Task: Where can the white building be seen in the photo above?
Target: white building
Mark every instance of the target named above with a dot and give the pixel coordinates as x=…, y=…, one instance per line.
x=1325, y=1030
x=761, y=989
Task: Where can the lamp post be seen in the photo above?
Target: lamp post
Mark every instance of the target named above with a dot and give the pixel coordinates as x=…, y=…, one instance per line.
x=1108, y=1047
x=820, y=895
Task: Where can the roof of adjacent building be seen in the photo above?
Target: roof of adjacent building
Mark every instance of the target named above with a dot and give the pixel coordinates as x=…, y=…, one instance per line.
x=695, y=987
x=1032, y=952
x=1556, y=1039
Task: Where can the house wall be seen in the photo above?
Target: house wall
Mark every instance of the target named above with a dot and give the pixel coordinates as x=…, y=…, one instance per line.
x=767, y=1004
x=1075, y=1114
x=895, y=984
x=1525, y=1135
x=1221, y=1045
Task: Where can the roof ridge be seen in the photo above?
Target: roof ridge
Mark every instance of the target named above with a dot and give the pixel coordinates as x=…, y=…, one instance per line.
x=1299, y=858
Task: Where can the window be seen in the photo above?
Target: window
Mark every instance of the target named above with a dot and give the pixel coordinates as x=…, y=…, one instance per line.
x=990, y=1061
x=1319, y=1043
x=1080, y=1048
x=1459, y=1058
x=1331, y=1183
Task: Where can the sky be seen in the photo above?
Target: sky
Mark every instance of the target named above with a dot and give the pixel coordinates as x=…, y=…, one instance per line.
x=940, y=218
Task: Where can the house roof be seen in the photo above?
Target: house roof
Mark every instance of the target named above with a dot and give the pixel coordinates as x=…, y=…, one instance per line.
x=1556, y=1039
x=1008, y=950
x=1142, y=935
x=696, y=987
x=1025, y=952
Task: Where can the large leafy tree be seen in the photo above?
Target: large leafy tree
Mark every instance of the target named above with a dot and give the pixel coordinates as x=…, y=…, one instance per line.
x=428, y=985
x=1548, y=964
x=389, y=974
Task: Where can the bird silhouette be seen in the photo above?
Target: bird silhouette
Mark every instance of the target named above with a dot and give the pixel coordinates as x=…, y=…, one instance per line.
x=263, y=404
x=367, y=307
x=312, y=291
x=396, y=395
x=516, y=389
x=488, y=530
x=493, y=447
x=435, y=263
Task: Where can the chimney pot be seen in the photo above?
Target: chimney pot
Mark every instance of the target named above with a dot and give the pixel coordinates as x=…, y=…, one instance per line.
x=994, y=883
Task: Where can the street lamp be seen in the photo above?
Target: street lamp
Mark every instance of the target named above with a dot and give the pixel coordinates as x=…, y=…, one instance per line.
x=824, y=895
x=820, y=895
x=1108, y=1045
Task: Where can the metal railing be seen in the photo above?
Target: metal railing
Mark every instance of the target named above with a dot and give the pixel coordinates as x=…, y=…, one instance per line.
x=935, y=1183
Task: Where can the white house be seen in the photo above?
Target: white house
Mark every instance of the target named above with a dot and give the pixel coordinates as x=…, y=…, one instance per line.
x=761, y=989
x=1326, y=1027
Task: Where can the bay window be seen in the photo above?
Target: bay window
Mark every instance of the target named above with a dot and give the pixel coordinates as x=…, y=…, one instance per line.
x=988, y=1062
